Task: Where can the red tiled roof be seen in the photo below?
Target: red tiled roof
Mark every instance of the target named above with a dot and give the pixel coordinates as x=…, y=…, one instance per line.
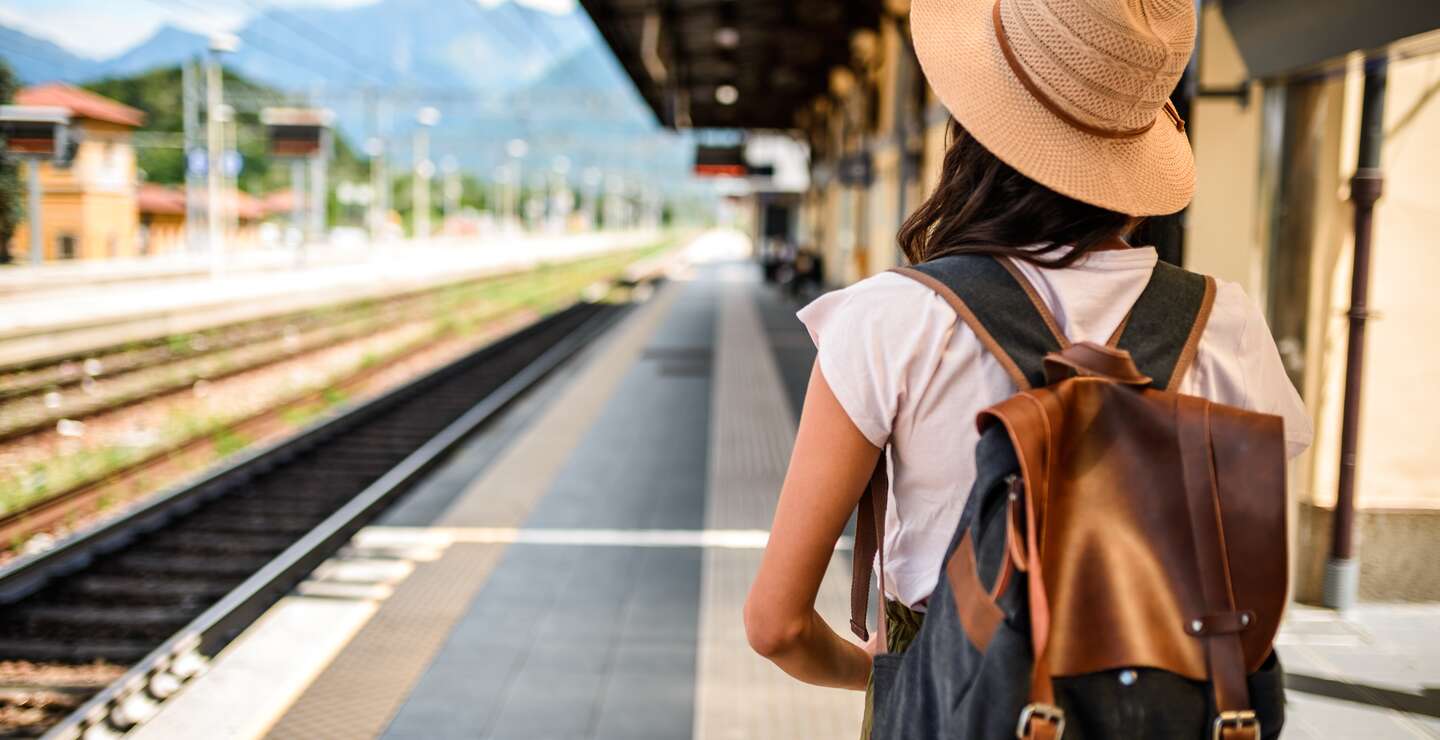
x=280, y=201
x=82, y=103
x=247, y=206
x=153, y=198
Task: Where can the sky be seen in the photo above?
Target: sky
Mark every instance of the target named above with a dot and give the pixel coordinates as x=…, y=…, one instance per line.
x=102, y=28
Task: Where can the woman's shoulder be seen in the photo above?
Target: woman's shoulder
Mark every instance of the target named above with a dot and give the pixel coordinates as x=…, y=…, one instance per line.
x=878, y=299
x=1232, y=316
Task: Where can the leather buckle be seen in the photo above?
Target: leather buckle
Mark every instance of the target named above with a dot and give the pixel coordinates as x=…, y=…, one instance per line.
x=1241, y=720
x=1044, y=712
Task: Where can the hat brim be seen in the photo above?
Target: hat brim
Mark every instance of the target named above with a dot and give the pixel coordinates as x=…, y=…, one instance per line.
x=1149, y=175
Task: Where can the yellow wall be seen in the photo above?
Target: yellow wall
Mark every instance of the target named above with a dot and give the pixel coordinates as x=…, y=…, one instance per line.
x=1224, y=222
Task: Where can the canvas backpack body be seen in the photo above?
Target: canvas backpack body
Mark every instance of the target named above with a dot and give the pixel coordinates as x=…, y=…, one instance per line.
x=1119, y=570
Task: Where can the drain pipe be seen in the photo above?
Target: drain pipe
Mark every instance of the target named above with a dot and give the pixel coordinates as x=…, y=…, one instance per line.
x=1342, y=571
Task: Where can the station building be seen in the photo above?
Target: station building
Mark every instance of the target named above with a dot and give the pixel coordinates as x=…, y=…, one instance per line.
x=1273, y=102
x=89, y=206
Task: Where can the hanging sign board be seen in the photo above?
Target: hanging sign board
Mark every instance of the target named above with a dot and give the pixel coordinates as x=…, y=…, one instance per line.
x=720, y=161
x=296, y=132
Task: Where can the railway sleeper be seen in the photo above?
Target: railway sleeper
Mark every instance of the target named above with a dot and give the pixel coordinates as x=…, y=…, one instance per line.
x=99, y=621
x=83, y=650
x=217, y=521
x=198, y=541
x=143, y=589
x=159, y=564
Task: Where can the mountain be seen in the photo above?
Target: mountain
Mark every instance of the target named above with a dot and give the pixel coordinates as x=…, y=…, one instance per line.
x=416, y=43
x=495, y=72
x=164, y=48
x=37, y=60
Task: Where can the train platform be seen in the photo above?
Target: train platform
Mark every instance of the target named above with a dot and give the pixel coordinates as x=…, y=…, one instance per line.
x=578, y=568
x=57, y=309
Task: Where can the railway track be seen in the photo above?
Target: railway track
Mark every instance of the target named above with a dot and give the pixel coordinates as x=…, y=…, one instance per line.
x=109, y=469
x=165, y=587
x=35, y=395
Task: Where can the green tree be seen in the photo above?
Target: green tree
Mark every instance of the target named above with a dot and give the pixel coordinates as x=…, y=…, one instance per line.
x=11, y=193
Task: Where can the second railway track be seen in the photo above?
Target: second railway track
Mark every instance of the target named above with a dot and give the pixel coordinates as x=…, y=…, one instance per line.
x=169, y=584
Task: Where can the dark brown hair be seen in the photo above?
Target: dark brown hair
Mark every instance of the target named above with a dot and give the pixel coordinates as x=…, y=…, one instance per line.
x=984, y=206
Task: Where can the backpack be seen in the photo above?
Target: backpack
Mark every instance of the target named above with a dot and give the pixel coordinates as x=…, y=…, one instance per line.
x=1119, y=570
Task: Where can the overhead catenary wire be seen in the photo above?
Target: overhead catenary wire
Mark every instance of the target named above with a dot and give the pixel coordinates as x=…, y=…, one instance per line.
x=264, y=43
x=315, y=36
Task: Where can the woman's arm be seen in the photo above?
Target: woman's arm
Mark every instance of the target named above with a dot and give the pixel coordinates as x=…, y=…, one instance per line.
x=829, y=469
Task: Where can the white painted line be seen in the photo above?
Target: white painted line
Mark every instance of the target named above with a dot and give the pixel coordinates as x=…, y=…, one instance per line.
x=729, y=539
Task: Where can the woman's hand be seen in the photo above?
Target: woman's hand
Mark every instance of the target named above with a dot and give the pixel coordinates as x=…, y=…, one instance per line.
x=829, y=469
x=876, y=644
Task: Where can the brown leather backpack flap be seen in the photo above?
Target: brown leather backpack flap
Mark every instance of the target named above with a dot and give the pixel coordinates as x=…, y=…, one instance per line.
x=1123, y=584
x=1249, y=450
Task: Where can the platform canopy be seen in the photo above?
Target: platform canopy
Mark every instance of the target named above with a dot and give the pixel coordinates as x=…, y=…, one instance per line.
x=731, y=63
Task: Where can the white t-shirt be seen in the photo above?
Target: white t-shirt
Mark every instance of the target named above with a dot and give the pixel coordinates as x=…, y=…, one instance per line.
x=910, y=373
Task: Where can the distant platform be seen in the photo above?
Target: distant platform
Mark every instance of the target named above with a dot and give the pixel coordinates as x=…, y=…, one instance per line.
x=57, y=309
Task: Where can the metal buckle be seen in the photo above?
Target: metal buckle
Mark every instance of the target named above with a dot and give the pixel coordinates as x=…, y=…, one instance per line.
x=1237, y=720
x=1047, y=712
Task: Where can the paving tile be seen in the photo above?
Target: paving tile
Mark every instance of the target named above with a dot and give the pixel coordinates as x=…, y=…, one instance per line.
x=575, y=618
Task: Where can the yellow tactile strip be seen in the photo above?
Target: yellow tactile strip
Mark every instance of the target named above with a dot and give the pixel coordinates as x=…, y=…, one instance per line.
x=738, y=694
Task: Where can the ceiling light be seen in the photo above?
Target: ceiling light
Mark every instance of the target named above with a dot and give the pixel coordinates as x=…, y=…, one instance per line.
x=726, y=95
x=726, y=37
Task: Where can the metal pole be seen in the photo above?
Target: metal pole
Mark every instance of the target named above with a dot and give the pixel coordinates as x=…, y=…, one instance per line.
x=319, y=189
x=232, y=180
x=297, y=206
x=37, y=239
x=451, y=202
x=1342, y=571
x=215, y=143
x=191, y=104
x=376, y=149
x=420, y=184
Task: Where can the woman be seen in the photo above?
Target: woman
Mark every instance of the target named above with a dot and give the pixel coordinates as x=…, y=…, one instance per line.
x=1062, y=141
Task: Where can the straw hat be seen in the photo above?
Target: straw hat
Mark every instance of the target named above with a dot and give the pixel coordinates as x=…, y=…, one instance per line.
x=1072, y=93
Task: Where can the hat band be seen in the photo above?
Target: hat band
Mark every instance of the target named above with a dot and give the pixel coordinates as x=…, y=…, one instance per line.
x=1054, y=107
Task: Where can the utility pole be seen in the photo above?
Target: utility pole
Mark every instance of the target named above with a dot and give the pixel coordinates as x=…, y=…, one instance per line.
x=319, y=188
x=190, y=95
x=297, y=201
x=424, y=170
x=37, y=239
x=220, y=43
x=451, y=188
x=233, y=165
x=375, y=216
x=517, y=149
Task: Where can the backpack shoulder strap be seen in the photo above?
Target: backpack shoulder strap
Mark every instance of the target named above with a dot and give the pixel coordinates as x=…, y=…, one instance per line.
x=1000, y=306
x=1162, y=332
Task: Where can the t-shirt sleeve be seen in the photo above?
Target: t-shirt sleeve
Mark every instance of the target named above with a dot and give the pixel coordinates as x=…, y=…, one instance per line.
x=876, y=341
x=1267, y=386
